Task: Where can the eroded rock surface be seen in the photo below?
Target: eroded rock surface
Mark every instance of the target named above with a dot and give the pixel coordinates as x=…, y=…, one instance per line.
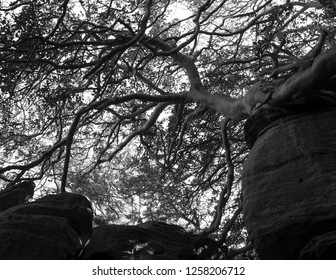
x=53, y=227
x=151, y=240
x=16, y=194
x=58, y=227
x=289, y=185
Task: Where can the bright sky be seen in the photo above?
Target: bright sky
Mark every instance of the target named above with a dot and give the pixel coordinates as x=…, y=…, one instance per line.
x=178, y=10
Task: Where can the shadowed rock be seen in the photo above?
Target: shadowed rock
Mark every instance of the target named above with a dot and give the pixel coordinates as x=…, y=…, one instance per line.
x=322, y=247
x=262, y=120
x=289, y=185
x=53, y=227
x=16, y=194
x=31, y=237
x=151, y=240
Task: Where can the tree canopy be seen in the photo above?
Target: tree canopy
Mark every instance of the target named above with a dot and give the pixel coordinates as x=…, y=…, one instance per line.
x=140, y=104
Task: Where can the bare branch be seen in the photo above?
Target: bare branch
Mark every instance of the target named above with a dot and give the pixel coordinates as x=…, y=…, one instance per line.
x=47, y=154
x=15, y=5
x=182, y=132
x=226, y=190
x=150, y=84
x=149, y=123
x=69, y=140
x=305, y=61
x=230, y=223
x=124, y=46
x=302, y=86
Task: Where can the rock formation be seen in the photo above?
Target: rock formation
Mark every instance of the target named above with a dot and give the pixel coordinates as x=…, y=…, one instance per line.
x=60, y=227
x=150, y=240
x=53, y=227
x=289, y=186
x=16, y=194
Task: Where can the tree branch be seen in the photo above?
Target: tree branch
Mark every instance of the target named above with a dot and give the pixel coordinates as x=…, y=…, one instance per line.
x=229, y=224
x=226, y=191
x=149, y=123
x=36, y=162
x=69, y=140
x=125, y=46
x=302, y=86
x=304, y=61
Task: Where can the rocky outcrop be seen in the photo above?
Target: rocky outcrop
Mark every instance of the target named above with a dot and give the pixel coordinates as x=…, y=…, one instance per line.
x=53, y=227
x=289, y=187
x=59, y=226
x=320, y=247
x=264, y=117
x=151, y=240
x=16, y=194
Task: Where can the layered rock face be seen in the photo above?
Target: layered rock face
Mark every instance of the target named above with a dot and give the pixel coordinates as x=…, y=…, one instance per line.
x=60, y=227
x=53, y=227
x=150, y=240
x=289, y=187
x=16, y=194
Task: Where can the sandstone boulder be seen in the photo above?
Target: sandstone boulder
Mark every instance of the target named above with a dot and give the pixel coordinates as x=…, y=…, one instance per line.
x=53, y=227
x=289, y=185
x=151, y=240
x=16, y=194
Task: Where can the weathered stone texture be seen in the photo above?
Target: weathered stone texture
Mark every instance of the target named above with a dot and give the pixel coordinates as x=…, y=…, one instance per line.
x=58, y=227
x=34, y=237
x=53, y=227
x=151, y=240
x=289, y=184
x=16, y=194
x=320, y=247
